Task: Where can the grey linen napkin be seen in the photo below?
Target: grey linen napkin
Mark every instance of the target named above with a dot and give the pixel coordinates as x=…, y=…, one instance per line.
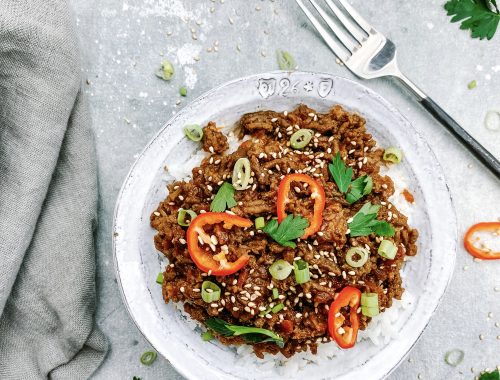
x=48, y=198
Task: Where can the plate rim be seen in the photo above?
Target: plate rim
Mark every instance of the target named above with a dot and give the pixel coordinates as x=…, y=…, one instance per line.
x=181, y=369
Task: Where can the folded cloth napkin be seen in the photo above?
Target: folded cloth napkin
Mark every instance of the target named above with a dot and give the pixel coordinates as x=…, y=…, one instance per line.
x=48, y=197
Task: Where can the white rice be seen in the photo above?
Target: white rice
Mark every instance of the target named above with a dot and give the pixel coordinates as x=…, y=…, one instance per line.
x=379, y=332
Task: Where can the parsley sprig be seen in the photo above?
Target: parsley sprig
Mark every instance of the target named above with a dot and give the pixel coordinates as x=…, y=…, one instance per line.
x=250, y=334
x=291, y=228
x=342, y=175
x=493, y=375
x=475, y=15
x=365, y=222
x=224, y=199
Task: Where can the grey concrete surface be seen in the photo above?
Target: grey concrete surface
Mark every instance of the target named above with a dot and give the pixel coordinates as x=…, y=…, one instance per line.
x=124, y=42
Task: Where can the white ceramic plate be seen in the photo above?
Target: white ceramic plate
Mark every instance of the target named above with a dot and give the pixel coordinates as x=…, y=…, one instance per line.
x=138, y=263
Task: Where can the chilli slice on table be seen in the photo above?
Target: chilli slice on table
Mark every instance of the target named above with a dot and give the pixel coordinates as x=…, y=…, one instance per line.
x=476, y=245
x=288, y=241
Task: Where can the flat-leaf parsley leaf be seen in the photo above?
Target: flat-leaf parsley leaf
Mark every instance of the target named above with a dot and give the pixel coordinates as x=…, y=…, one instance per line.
x=365, y=222
x=341, y=174
x=358, y=188
x=475, y=15
x=224, y=198
x=290, y=229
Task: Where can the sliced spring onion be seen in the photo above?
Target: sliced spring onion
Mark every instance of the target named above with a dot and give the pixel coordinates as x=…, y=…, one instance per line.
x=166, y=71
x=206, y=336
x=210, y=292
x=369, y=299
x=454, y=357
x=301, y=269
x=301, y=138
x=193, y=132
x=369, y=304
x=285, y=60
x=241, y=173
x=181, y=217
x=370, y=311
x=159, y=278
x=356, y=257
x=393, y=154
x=277, y=308
x=280, y=269
x=183, y=91
x=260, y=223
x=472, y=84
x=275, y=293
x=148, y=357
x=387, y=249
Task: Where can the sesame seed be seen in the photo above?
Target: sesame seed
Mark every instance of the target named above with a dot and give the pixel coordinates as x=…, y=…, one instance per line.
x=298, y=315
x=344, y=275
x=352, y=273
x=211, y=149
x=247, y=309
x=182, y=241
x=481, y=337
x=236, y=308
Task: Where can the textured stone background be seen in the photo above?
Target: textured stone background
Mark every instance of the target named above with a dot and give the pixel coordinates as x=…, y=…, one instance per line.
x=124, y=42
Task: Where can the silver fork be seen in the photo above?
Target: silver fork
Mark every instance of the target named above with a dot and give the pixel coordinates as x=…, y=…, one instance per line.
x=369, y=54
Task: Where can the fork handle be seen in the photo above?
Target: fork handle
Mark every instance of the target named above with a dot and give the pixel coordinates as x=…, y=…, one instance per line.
x=479, y=151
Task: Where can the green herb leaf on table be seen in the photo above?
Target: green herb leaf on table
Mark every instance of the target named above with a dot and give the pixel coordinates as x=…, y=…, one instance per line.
x=250, y=334
x=365, y=222
x=285, y=60
x=342, y=175
x=224, y=199
x=475, y=15
x=290, y=229
x=358, y=188
x=494, y=375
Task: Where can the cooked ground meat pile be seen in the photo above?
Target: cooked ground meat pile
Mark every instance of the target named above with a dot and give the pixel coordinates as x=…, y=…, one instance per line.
x=248, y=292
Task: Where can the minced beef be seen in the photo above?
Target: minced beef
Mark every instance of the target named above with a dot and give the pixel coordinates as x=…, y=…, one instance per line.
x=246, y=293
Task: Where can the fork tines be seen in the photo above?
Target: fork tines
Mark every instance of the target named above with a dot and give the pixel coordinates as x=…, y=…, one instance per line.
x=357, y=28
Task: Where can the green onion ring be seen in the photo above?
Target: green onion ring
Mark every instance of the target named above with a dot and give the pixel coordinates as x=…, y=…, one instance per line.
x=181, y=217
x=210, y=292
x=370, y=311
x=260, y=223
x=356, y=263
x=148, y=357
x=454, y=357
x=193, y=132
x=159, y=278
x=393, y=154
x=207, y=336
x=280, y=269
x=369, y=299
x=241, y=173
x=301, y=269
x=301, y=138
x=387, y=249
